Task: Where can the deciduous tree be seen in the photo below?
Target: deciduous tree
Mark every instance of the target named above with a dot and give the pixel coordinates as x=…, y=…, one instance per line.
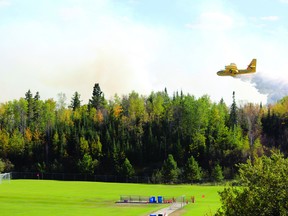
x=264, y=188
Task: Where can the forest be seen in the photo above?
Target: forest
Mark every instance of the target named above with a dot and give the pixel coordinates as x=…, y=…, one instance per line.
x=166, y=137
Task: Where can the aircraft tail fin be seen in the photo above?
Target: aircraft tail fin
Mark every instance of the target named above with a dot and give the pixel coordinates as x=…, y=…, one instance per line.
x=252, y=66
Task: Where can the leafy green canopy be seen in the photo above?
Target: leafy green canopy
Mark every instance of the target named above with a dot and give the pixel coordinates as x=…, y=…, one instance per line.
x=264, y=191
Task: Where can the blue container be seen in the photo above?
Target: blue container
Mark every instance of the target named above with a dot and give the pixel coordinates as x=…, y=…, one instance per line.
x=152, y=199
x=160, y=199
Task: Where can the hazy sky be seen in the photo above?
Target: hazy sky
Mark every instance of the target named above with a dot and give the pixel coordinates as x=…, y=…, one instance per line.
x=63, y=46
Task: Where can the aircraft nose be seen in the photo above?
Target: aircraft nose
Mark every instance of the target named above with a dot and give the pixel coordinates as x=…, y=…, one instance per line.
x=220, y=73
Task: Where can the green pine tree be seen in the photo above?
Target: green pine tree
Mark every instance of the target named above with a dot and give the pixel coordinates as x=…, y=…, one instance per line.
x=193, y=170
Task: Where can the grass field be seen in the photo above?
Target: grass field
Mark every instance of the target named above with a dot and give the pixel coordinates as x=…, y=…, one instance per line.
x=38, y=197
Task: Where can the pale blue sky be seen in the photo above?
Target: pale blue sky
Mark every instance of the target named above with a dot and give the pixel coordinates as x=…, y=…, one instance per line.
x=142, y=45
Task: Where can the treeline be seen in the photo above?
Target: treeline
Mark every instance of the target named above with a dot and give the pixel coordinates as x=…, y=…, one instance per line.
x=167, y=137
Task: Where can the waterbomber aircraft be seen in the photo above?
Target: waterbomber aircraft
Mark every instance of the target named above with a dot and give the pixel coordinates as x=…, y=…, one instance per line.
x=232, y=70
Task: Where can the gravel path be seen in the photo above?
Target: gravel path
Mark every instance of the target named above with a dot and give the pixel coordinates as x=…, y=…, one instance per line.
x=168, y=210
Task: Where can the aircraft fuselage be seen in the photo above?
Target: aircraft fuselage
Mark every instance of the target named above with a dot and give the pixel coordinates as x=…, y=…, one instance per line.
x=232, y=70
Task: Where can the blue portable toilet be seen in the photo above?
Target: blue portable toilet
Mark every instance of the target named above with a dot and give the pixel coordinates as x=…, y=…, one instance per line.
x=160, y=199
x=152, y=199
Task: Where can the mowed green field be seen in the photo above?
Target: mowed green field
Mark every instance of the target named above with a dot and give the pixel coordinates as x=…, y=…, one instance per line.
x=41, y=197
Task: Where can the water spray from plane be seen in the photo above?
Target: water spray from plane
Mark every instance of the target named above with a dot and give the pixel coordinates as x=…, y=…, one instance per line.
x=275, y=89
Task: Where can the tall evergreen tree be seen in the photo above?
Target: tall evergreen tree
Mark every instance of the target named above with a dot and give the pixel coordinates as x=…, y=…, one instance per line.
x=233, y=113
x=97, y=99
x=29, y=99
x=193, y=170
x=127, y=169
x=170, y=170
x=75, y=101
x=36, y=107
x=217, y=173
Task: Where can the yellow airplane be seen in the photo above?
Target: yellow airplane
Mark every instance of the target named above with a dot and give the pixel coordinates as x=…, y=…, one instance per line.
x=232, y=70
